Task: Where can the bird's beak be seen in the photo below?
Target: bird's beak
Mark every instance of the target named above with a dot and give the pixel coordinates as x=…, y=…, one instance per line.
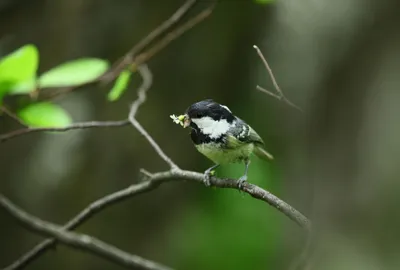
x=186, y=121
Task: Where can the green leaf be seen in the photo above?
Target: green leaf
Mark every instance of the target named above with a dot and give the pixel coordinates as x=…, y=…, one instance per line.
x=44, y=115
x=74, y=73
x=18, y=67
x=24, y=87
x=120, y=85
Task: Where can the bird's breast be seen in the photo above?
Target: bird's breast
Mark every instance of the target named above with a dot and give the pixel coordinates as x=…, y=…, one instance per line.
x=219, y=155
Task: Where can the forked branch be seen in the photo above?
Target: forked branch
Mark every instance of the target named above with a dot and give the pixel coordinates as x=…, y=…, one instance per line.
x=279, y=95
x=78, y=241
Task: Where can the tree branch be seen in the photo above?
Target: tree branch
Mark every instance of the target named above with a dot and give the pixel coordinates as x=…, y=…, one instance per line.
x=12, y=115
x=135, y=57
x=78, y=241
x=147, y=82
x=152, y=182
x=153, y=35
x=83, y=125
x=280, y=95
x=145, y=56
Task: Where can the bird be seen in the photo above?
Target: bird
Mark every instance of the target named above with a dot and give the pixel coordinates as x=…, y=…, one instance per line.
x=222, y=137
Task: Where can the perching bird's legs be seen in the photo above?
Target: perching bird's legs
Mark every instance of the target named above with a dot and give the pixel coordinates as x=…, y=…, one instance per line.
x=207, y=175
x=244, y=177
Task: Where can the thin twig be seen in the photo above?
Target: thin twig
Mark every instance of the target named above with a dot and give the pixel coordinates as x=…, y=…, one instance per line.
x=78, y=241
x=145, y=56
x=146, y=84
x=129, y=58
x=280, y=95
x=83, y=125
x=12, y=115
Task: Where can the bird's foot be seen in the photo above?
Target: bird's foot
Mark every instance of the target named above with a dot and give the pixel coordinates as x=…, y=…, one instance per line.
x=241, y=181
x=207, y=177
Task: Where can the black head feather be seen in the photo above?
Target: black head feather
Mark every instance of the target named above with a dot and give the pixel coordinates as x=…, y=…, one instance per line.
x=211, y=109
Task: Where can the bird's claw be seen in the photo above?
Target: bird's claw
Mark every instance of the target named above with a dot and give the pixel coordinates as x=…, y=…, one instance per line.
x=207, y=178
x=241, y=181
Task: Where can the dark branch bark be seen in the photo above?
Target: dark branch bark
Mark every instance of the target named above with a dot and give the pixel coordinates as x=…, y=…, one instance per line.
x=78, y=241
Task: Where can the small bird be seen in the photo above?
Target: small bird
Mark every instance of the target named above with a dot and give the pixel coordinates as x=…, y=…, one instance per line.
x=221, y=136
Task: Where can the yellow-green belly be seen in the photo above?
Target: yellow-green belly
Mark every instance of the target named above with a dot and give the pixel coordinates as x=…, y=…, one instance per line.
x=224, y=156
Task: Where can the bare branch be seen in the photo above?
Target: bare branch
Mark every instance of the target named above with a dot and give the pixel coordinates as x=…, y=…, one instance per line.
x=145, y=56
x=78, y=241
x=147, y=82
x=161, y=29
x=152, y=182
x=83, y=216
x=130, y=58
x=11, y=115
x=280, y=95
x=84, y=125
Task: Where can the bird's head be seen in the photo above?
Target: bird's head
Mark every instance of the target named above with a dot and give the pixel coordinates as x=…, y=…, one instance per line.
x=208, y=115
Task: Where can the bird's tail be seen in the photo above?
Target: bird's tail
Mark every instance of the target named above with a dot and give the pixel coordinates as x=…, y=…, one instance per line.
x=262, y=153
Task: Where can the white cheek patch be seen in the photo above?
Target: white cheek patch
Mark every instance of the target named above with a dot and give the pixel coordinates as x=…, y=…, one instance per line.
x=214, y=129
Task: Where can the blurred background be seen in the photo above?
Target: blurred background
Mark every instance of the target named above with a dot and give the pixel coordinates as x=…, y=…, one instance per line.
x=337, y=162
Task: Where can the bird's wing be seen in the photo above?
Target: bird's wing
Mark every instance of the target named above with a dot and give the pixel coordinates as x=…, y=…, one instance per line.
x=254, y=137
x=243, y=133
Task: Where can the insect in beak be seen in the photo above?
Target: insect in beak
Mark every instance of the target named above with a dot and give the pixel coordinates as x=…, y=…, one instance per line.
x=186, y=121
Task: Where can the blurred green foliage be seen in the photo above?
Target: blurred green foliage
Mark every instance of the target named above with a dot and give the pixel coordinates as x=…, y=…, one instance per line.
x=18, y=67
x=18, y=76
x=44, y=114
x=73, y=73
x=120, y=85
